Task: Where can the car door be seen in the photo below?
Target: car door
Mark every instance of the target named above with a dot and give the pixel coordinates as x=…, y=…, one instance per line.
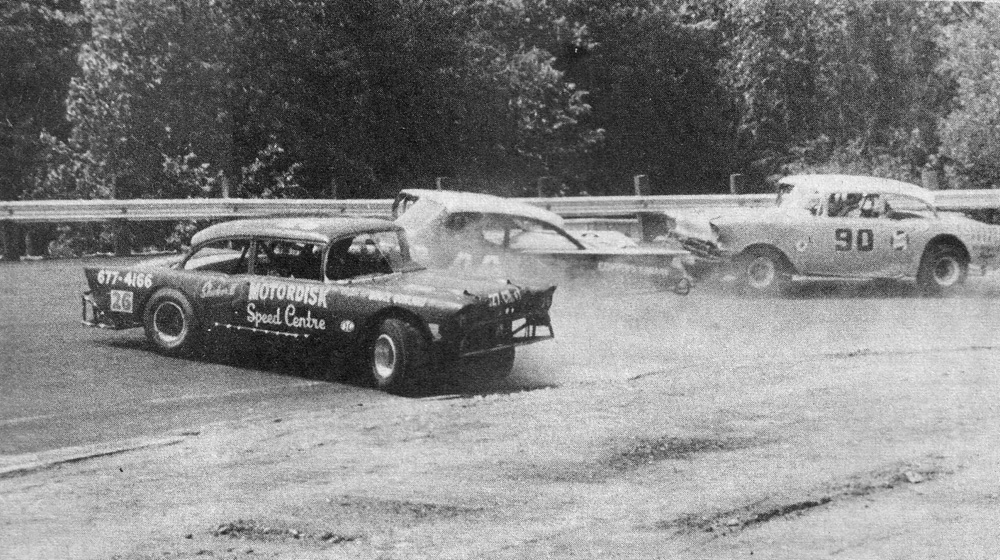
x=858, y=238
x=223, y=266
x=284, y=293
x=844, y=242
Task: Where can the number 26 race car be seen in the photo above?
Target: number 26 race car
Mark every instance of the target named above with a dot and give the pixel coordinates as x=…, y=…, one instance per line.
x=348, y=284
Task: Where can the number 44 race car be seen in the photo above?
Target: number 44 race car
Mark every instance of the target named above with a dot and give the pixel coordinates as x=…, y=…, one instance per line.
x=843, y=227
x=345, y=283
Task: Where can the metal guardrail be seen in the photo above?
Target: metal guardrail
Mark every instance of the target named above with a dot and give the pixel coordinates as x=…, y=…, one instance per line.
x=68, y=211
x=181, y=209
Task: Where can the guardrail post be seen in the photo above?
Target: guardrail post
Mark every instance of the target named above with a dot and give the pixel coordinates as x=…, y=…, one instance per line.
x=641, y=184
x=13, y=240
x=929, y=178
x=542, y=185
x=120, y=235
x=735, y=183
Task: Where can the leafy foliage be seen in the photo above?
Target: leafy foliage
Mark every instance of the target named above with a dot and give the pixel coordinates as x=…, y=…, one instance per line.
x=349, y=98
x=38, y=42
x=972, y=130
x=858, y=74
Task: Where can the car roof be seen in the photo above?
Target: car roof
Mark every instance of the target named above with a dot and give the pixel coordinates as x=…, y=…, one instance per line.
x=314, y=230
x=456, y=201
x=829, y=183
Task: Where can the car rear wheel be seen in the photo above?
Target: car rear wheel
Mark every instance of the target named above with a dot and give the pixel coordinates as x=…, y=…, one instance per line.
x=170, y=322
x=942, y=270
x=398, y=355
x=762, y=271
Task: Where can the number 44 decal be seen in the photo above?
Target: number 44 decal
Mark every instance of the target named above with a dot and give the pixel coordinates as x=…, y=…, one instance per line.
x=863, y=240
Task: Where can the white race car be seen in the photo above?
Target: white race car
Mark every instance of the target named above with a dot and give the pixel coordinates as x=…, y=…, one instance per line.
x=468, y=230
x=845, y=227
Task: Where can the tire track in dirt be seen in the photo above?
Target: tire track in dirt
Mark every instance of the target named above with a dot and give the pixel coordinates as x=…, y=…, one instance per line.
x=732, y=521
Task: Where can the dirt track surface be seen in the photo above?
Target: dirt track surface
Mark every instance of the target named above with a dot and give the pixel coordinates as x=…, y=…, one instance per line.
x=847, y=422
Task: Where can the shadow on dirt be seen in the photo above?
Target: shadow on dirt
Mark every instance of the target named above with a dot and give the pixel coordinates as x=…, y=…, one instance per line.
x=830, y=289
x=460, y=380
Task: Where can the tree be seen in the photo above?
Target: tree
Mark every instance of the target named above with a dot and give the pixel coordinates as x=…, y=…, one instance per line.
x=38, y=41
x=302, y=97
x=971, y=131
x=859, y=75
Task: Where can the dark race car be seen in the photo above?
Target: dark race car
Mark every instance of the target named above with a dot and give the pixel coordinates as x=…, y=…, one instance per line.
x=348, y=284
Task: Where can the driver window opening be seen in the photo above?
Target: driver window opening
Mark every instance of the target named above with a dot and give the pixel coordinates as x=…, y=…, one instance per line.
x=288, y=259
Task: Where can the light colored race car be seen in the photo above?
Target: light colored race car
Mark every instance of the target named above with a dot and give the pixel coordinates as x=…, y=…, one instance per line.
x=347, y=285
x=487, y=233
x=845, y=227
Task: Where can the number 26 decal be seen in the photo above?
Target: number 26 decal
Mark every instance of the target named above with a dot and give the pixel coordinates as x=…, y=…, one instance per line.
x=864, y=240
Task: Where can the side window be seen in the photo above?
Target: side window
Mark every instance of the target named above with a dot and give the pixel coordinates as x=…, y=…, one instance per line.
x=288, y=259
x=228, y=256
x=844, y=205
x=364, y=255
x=473, y=229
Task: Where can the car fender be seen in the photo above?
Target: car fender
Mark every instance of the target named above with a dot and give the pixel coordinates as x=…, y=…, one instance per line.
x=371, y=324
x=770, y=248
x=945, y=239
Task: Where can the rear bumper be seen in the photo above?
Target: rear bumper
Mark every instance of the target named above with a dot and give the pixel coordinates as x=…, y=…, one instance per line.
x=93, y=315
x=521, y=332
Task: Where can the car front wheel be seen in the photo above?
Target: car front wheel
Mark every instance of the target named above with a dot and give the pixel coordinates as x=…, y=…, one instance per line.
x=762, y=271
x=398, y=355
x=170, y=322
x=942, y=270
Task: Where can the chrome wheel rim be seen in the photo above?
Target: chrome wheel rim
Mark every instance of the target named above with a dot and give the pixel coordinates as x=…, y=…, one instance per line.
x=169, y=322
x=947, y=272
x=761, y=272
x=384, y=357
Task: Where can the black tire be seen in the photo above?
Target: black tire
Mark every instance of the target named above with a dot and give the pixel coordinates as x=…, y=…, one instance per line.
x=762, y=271
x=170, y=323
x=942, y=270
x=398, y=355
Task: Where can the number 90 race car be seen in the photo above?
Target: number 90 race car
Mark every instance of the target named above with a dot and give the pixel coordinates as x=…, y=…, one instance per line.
x=348, y=284
x=845, y=227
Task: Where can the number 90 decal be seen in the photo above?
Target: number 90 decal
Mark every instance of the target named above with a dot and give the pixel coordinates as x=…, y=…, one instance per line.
x=863, y=240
